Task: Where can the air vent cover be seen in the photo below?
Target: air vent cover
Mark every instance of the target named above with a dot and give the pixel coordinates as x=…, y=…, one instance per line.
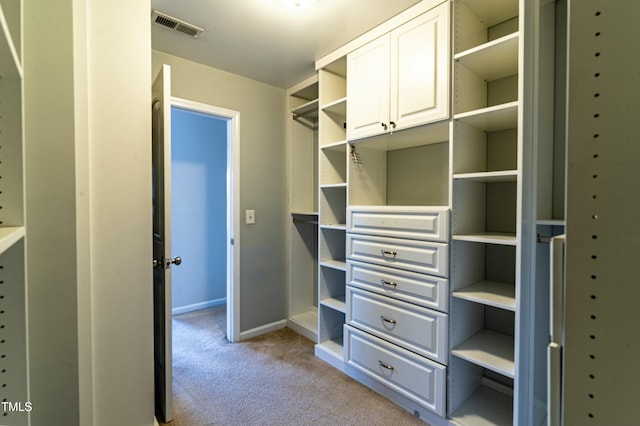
x=175, y=24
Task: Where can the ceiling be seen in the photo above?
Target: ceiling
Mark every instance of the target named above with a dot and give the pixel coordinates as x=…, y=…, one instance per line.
x=262, y=39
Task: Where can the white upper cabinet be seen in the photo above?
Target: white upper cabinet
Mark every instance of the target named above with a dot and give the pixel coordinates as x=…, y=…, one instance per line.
x=401, y=79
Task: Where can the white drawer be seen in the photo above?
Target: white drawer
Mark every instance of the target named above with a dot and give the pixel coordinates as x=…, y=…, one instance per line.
x=425, y=290
x=418, y=256
x=415, y=377
x=413, y=222
x=421, y=330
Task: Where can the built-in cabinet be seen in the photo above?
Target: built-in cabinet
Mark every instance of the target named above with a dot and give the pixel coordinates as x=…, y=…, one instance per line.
x=436, y=152
x=384, y=92
x=13, y=325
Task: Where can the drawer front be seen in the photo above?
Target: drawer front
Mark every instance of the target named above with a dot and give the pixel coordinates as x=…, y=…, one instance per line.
x=417, y=223
x=418, y=329
x=425, y=290
x=410, y=375
x=417, y=256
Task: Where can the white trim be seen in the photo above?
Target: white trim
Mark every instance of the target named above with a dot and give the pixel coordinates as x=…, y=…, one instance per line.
x=378, y=31
x=263, y=329
x=233, y=208
x=197, y=306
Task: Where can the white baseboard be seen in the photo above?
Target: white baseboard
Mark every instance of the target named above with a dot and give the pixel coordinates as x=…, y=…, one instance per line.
x=198, y=306
x=267, y=328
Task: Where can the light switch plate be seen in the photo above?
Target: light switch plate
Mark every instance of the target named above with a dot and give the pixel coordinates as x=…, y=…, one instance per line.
x=250, y=217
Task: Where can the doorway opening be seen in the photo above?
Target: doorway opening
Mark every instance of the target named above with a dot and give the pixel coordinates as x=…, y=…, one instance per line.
x=205, y=205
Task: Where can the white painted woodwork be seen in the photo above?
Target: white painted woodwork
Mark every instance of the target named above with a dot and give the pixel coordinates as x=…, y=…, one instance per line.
x=302, y=230
x=401, y=79
x=488, y=349
x=419, y=97
x=411, y=255
x=421, y=330
x=411, y=375
x=420, y=289
x=332, y=204
x=411, y=222
x=368, y=89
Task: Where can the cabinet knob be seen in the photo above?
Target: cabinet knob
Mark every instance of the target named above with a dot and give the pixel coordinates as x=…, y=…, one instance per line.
x=393, y=124
x=388, y=253
x=384, y=125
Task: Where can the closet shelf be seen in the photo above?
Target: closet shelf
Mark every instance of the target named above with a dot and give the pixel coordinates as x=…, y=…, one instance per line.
x=308, y=320
x=335, y=303
x=10, y=65
x=492, y=119
x=333, y=185
x=486, y=406
x=407, y=138
x=9, y=236
x=307, y=110
x=490, y=350
x=339, y=227
x=493, y=60
x=334, y=349
x=551, y=222
x=338, y=107
x=294, y=214
x=488, y=238
x=490, y=293
x=340, y=146
x=340, y=265
x=497, y=176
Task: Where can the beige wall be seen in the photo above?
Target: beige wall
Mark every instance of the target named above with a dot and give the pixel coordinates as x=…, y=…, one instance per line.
x=262, y=180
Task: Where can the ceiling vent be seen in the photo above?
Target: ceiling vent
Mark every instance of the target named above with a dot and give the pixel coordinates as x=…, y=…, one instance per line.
x=175, y=24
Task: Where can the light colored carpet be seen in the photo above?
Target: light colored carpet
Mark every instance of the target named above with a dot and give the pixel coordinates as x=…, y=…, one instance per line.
x=269, y=380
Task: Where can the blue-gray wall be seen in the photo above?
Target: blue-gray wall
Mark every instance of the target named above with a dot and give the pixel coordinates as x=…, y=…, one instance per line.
x=198, y=209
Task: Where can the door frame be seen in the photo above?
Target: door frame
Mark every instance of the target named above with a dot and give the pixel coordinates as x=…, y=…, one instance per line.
x=233, y=207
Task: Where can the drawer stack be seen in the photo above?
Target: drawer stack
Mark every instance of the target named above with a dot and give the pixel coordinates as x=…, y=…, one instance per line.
x=397, y=299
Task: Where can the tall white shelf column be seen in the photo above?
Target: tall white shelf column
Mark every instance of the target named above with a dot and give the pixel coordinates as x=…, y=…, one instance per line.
x=302, y=149
x=14, y=386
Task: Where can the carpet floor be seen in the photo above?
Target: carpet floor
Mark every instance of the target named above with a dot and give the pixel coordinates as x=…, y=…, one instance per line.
x=272, y=379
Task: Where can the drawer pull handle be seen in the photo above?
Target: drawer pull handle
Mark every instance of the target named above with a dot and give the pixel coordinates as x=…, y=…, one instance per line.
x=389, y=283
x=387, y=252
x=390, y=321
x=385, y=365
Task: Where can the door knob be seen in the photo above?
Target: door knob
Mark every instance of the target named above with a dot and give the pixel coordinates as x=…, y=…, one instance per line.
x=176, y=260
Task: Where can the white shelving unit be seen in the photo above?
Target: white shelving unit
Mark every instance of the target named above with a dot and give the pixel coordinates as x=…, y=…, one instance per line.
x=302, y=143
x=496, y=91
x=486, y=161
x=332, y=204
x=14, y=385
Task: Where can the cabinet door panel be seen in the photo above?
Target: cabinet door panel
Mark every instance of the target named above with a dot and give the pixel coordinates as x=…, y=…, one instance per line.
x=420, y=69
x=368, y=89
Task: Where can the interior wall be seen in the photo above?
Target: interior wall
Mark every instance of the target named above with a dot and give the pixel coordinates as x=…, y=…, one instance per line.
x=262, y=178
x=198, y=209
x=119, y=117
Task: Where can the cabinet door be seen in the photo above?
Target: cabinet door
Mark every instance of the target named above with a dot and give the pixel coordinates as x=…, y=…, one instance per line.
x=420, y=69
x=368, y=89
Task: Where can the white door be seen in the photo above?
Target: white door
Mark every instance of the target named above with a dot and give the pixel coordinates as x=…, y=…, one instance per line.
x=420, y=69
x=368, y=89
x=162, y=260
